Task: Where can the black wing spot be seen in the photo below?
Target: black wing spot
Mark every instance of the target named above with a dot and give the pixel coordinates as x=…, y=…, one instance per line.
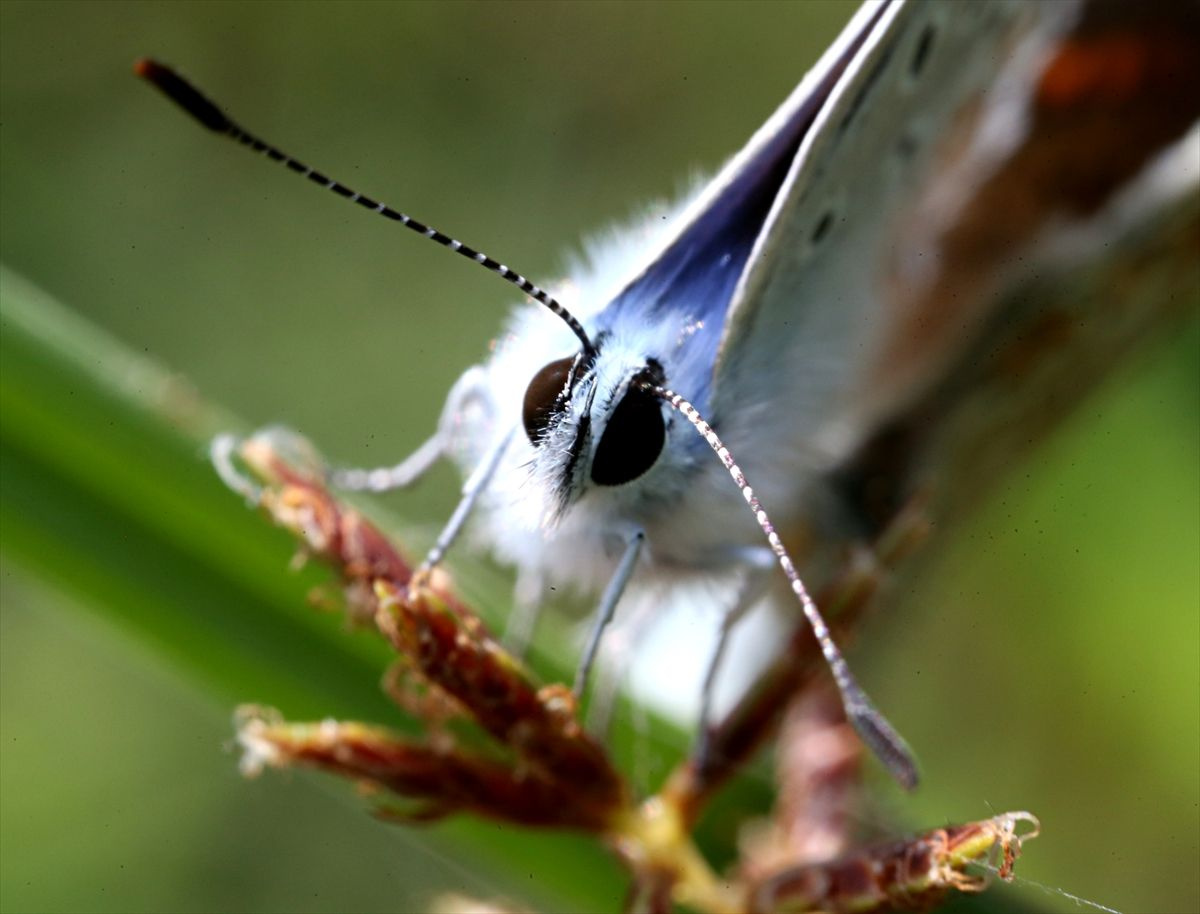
x=866, y=87
x=824, y=224
x=921, y=53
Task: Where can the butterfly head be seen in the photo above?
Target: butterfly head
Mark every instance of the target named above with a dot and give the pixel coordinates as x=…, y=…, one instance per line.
x=594, y=421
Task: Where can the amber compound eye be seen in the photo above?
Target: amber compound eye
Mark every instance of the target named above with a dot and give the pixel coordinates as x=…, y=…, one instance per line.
x=544, y=396
x=632, y=439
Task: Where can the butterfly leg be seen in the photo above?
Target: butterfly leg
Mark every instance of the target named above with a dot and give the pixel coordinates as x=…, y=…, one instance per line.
x=471, y=490
x=521, y=623
x=617, y=653
x=224, y=452
x=608, y=605
x=399, y=476
x=759, y=565
x=221, y=452
x=470, y=389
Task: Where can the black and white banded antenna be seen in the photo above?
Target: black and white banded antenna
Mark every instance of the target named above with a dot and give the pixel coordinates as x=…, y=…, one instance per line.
x=204, y=110
x=872, y=727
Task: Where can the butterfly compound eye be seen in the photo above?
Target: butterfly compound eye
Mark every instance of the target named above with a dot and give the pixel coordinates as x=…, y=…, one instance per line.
x=632, y=439
x=543, y=396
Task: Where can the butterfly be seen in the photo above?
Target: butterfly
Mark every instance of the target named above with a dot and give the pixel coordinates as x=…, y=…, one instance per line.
x=825, y=236
x=911, y=258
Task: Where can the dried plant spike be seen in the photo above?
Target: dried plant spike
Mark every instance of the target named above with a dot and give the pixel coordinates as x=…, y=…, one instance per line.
x=251, y=724
x=442, y=642
x=911, y=875
x=434, y=780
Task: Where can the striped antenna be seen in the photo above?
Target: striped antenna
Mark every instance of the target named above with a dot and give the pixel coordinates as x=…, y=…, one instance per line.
x=873, y=728
x=204, y=110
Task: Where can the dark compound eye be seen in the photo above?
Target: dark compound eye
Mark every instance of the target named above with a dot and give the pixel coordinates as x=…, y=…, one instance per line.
x=632, y=439
x=543, y=396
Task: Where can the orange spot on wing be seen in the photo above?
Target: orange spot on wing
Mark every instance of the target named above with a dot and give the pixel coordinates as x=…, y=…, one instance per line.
x=1115, y=68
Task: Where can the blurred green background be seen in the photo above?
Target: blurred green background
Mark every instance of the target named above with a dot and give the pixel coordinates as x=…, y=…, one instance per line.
x=1049, y=661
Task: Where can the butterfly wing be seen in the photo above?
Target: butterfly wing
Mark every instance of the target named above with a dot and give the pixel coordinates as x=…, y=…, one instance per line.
x=807, y=312
x=942, y=176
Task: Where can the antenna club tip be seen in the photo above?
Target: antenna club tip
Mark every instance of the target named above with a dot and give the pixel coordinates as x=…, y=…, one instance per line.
x=903, y=768
x=183, y=93
x=148, y=68
x=885, y=743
